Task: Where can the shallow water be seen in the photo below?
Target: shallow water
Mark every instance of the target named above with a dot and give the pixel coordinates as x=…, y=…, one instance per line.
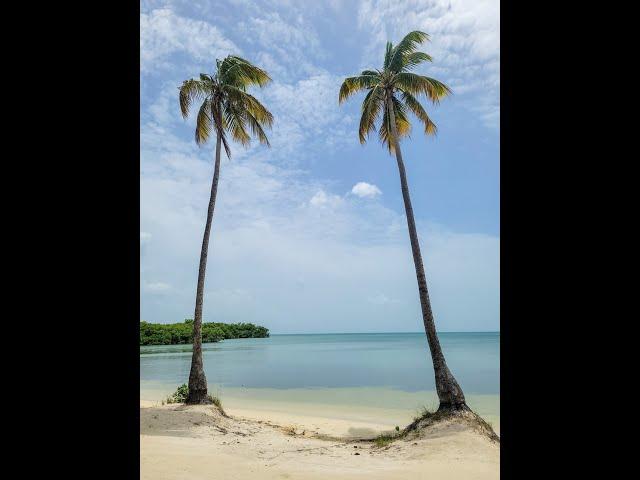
x=376, y=371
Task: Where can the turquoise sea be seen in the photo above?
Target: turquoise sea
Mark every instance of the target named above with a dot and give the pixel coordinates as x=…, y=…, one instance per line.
x=390, y=371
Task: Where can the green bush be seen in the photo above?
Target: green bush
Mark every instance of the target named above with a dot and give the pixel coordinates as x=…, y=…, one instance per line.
x=180, y=395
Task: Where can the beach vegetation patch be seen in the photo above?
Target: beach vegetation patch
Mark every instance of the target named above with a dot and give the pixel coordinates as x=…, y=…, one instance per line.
x=182, y=393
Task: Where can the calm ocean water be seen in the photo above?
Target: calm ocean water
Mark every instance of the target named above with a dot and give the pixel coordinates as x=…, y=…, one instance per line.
x=398, y=361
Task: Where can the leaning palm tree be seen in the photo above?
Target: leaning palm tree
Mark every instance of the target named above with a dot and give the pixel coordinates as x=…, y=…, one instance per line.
x=392, y=93
x=226, y=108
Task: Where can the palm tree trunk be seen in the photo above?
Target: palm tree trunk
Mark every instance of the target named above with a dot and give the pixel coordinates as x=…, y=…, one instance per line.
x=449, y=392
x=197, y=378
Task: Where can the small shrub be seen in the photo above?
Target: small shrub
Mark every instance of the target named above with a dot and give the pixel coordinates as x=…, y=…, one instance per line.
x=180, y=395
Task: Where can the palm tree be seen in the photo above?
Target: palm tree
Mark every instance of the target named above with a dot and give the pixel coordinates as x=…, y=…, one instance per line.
x=392, y=93
x=226, y=108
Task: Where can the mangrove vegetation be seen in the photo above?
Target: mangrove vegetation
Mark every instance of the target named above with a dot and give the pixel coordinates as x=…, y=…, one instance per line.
x=182, y=333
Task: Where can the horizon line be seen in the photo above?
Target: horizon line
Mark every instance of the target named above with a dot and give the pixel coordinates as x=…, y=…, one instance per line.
x=360, y=333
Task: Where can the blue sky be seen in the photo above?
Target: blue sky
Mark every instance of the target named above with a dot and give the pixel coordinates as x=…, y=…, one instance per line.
x=310, y=235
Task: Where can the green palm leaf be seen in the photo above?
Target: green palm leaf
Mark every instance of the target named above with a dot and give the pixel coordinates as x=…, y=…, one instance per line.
x=406, y=46
x=387, y=55
x=414, y=105
x=353, y=85
x=234, y=122
x=239, y=72
x=373, y=103
x=416, y=84
x=203, y=122
x=414, y=59
x=190, y=91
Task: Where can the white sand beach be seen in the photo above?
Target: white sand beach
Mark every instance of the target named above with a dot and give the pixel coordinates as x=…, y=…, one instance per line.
x=197, y=442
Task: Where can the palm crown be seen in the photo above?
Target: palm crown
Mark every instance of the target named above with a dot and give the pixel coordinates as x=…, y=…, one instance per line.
x=395, y=78
x=226, y=105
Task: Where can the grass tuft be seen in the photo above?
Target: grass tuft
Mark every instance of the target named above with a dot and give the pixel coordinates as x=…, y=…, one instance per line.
x=217, y=402
x=424, y=413
x=384, y=440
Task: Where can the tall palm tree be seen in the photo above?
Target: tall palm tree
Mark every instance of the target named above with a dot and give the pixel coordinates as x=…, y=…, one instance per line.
x=226, y=108
x=392, y=93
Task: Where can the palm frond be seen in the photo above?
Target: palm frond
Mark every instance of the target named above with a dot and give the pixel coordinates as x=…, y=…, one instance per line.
x=256, y=128
x=388, y=54
x=250, y=103
x=414, y=105
x=406, y=46
x=352, y=85
x=416, y=84
x=371, y=107
x=239, y=72
x=402, y=120
x=203, y=122
x=190, y=91
x=414, y=59
x=235, y=123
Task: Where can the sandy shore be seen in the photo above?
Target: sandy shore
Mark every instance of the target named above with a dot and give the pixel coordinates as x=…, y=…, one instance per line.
x=179, y=442
x=358, y=407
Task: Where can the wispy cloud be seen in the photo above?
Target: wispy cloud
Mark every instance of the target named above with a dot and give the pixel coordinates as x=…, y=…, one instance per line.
x=163, y=33
x=287, y=48
x=157, y=288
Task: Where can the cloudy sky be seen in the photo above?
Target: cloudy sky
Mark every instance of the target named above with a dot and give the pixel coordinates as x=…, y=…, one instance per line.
x=310, y=235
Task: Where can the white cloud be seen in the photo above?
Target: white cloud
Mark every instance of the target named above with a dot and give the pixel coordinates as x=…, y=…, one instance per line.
x=163, y=33
x=365, y=190
x=321, y=199
x=382, y=299
x=157, y=287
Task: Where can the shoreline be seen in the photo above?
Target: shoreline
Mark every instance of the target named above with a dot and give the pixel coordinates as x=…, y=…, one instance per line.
x=359, y=412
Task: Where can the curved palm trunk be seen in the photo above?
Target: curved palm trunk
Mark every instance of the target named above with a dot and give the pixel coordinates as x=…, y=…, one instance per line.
x=197, y=378
x=449, y=392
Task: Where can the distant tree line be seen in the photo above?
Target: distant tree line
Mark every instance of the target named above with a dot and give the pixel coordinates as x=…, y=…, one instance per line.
x=179, y=333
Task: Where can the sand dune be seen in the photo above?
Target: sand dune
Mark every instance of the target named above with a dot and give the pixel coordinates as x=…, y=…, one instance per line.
x=197, y=442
